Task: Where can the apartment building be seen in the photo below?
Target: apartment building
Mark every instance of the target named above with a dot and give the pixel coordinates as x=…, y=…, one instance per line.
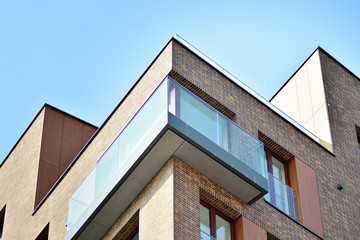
x=192, y=153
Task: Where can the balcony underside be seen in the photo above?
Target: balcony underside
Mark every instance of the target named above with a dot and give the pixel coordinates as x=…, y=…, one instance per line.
x=179, y=139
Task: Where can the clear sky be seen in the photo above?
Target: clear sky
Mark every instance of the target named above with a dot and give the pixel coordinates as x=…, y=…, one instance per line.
x=82, y=56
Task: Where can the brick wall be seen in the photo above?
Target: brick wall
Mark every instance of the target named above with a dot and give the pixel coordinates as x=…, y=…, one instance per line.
x=19, y=172
x=180, y=186
x=19, y=192
x=339, y=210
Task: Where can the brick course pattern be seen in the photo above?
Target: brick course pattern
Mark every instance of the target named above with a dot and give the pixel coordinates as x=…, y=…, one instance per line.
x=18, y=194
x=339, y=210
x=169, y=206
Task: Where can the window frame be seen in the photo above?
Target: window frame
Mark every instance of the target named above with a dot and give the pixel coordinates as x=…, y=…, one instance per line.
x=269, y=155
x=213, y=212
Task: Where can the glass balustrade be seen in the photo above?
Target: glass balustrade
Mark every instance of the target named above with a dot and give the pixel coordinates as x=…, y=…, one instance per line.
x=149, y=121
x=120, y=156
x=205, y=236
x=216, y=127
x=281, y=196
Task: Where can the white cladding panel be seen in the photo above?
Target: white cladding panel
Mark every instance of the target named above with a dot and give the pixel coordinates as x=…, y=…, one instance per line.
x=303, y=99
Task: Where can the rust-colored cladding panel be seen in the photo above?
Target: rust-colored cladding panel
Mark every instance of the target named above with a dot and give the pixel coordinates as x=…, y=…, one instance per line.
x=52, y=137
x=47, y=176
x=303, y=180
x=247, y=230
x=62, y=139
x=71, y=141
x=87, y=132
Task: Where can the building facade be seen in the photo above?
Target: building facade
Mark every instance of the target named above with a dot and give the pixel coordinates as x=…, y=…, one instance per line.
x=192, y=153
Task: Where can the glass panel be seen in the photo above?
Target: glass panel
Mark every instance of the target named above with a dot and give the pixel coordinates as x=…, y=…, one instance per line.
x=281, y=196
x=198, y=115
x=216, y=127
x=278, y=169
x=223, y=229
x=204, y=219
x=223, y=133
x=205, y=236
x=120, y=156
x=142, y=130
x=281, y=199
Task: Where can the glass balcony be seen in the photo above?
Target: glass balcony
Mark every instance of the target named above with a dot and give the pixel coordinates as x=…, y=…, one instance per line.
x=170, y=108
x=119, y=157
x=205, y=236
x=281, y=196
x=216, y=127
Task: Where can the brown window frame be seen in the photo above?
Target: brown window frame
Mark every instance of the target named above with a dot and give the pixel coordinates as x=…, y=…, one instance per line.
x=293, y=211
x=269, y=155
x=213, y=212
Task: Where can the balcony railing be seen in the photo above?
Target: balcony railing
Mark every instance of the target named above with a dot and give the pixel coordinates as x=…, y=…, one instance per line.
x=118, y=161
x=216, y=127
x=119, y=157
x=281, y=196
x=205, y=236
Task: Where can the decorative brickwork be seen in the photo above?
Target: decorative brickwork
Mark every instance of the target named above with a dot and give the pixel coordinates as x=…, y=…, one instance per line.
x=218, y=204
x=275, y=147
x=254, y=117
x=169, y=206
x=340, y=209
x=128, y=228
x=190, y=185
x=271, y=237
x=201, y=94
x=19, y=192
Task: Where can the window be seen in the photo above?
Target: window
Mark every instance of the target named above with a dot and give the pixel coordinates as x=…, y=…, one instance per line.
x=280, y=194
x=44, y=235
x=2, y=220
x=199, y=115
x=214, y=224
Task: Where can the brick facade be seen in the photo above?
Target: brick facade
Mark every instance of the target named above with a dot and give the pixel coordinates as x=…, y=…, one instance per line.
x=169, y=206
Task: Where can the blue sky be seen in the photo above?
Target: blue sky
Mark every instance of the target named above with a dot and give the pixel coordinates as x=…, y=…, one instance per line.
x=83, y=56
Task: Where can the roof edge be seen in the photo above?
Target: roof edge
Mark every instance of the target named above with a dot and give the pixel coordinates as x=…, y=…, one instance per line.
x=46, y=105
x=62, y=176
x=296, y=71
x=246, y=88
x=339, y=63
x=319, y=48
